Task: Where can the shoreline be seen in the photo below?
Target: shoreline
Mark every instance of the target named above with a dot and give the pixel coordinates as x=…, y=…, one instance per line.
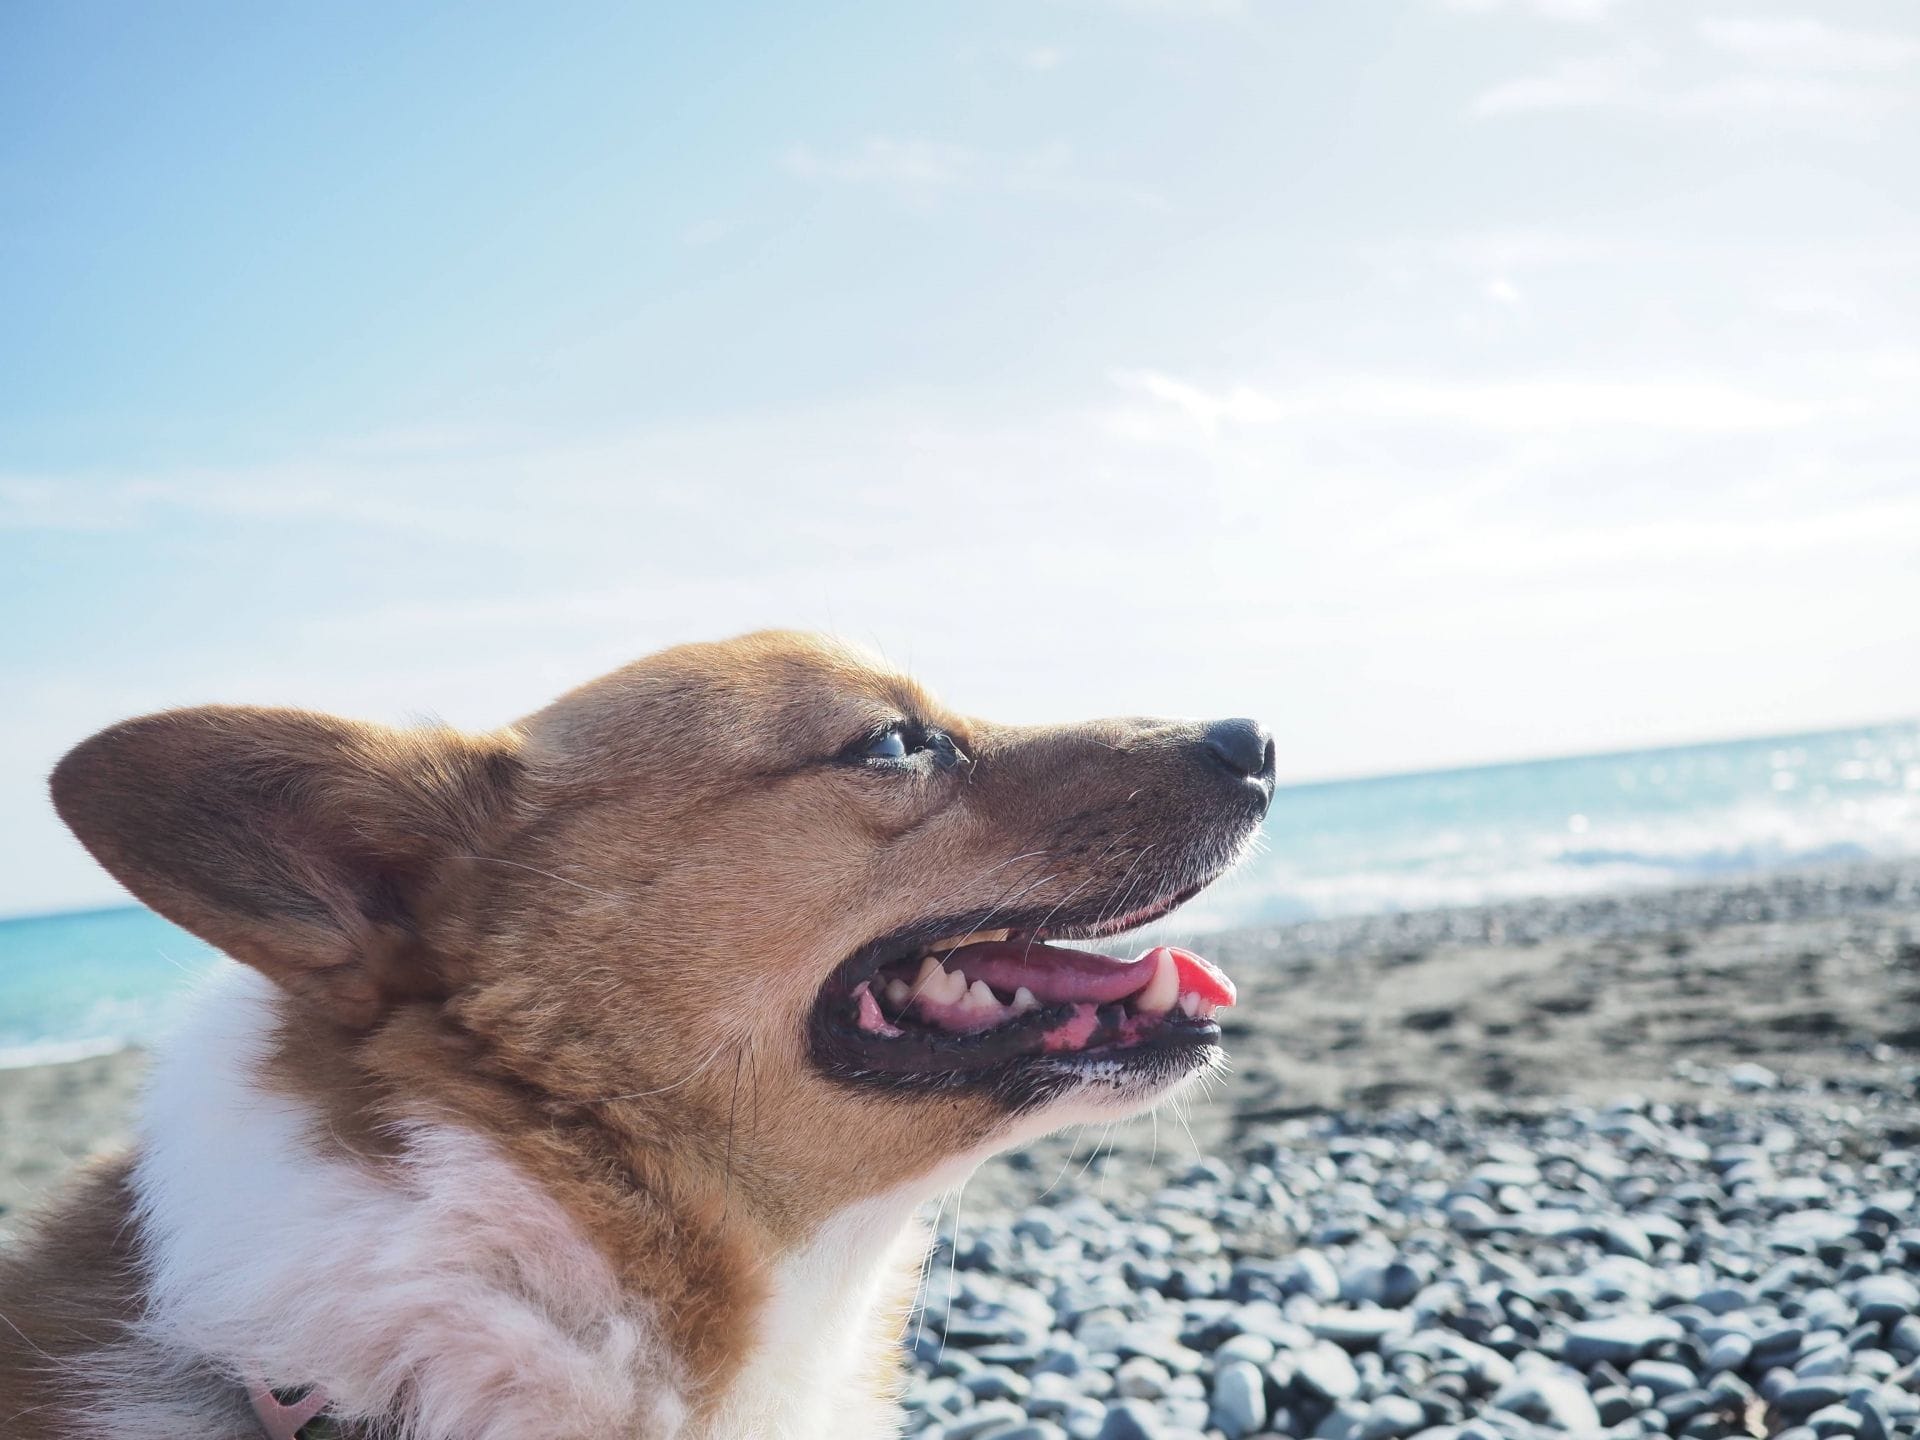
x=1811, y=975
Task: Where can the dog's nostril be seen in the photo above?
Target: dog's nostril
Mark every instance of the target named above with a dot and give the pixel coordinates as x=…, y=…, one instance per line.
x=1242, y=745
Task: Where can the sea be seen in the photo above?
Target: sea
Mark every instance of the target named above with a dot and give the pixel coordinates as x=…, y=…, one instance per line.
x=91, y=982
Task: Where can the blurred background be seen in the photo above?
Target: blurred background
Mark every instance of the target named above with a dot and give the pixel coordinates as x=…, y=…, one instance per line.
x=1444, y=381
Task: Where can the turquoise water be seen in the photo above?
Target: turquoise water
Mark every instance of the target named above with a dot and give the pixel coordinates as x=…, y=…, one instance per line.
x=93, y=981
x=71, y=984
x=1581, y=825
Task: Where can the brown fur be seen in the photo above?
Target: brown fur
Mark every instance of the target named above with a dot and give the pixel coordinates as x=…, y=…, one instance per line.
x=596, y=936
x=69, y=1290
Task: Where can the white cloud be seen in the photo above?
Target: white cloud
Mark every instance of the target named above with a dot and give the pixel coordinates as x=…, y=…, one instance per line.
x=1578, y=11
x=880, y=160
x=1816, y=305
x=1640, y=80
x=1584, y=82
x=1334, y=551
x=1502, y=291
x=1179, y=9
x=1791, y=101
x=919, y=170
x=1533, y=405
x=1805, y=43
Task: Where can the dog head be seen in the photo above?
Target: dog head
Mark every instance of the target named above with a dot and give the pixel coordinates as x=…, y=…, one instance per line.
x=764, y=905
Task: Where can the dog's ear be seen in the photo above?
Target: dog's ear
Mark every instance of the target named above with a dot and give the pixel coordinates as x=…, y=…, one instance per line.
x=298, y=843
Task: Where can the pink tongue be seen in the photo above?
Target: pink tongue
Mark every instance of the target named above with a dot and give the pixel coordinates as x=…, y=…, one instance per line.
x=1200, y=976
x=1054, y=974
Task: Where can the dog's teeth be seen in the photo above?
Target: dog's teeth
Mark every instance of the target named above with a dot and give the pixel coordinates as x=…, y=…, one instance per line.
x=897, y=992
x=928, y=968
x=945, y=987
x=1162, y=990
x=1190, y=1004
x=1023, y=1001
x=981, y=1000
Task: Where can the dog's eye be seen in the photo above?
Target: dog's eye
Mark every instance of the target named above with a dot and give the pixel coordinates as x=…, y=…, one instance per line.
x=889, y=744
x=903, y=741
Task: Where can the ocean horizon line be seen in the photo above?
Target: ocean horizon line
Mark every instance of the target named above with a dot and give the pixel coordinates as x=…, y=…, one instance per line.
x=1315, y=785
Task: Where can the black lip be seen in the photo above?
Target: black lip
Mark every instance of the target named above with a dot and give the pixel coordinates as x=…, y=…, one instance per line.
x=1002, y=1061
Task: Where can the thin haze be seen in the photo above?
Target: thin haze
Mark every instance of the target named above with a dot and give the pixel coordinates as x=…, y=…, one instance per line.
x=1441, y=380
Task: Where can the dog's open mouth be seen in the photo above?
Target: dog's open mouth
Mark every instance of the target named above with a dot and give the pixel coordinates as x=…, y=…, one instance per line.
x=952, y=1007
x=974, y=983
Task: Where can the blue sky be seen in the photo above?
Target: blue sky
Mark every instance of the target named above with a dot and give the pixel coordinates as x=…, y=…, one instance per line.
x=1442, y=379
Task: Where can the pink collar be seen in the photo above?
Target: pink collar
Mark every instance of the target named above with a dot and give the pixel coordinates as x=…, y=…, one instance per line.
x=283, y=1422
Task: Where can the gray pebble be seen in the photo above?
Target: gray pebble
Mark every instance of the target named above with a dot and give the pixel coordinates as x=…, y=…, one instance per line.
x=1390, y=1417
x=1616, y=1340
x=1886, y=1299
x=1729, y=1352
x=1662, y=1377
x=1555, y=1399
x=1327, y=1371
x=1239, y=1399
x=1131, y=1420
x=1801, y=1399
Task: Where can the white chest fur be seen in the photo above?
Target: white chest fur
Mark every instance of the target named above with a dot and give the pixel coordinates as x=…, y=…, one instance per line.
x=817, y=1356
x=442, y=1287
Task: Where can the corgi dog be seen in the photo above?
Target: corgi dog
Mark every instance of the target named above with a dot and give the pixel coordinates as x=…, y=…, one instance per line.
x=584, y=1078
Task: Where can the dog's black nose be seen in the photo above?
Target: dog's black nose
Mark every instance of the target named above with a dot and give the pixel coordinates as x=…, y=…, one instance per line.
x=1243, y=746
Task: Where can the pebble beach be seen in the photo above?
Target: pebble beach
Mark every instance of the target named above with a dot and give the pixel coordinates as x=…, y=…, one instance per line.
x=1631, y=1166
x=1635, y=1166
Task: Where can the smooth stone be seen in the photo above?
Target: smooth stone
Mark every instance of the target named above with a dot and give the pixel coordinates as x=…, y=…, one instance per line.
x=1327, y=1371
x=1471, y=1215
x=1256, y=1348
x=1799, y=1400
x=1105, y=1329
x=1834, y=1420
x=1617, y=1339
x=1082, y=1419
x=1623, y=1237
x=1310, y=1273
x=1684, y=1405
x=980, y=1421
x=1359, y=1329
x=1889, y=1207
x=1614, y=1404
x=1876, y=1422
x=1391, y=1417
x=1770, y=1347
x=1553, y=1398
x=1886, y=1299
x=1141, y=1378
x=1827, y=1361
x=1342, y=1422
x=1662, y=1377
x=1904, y=1338
x=995, y=1383
x=1032, y=1430
x=1239, y=1399
x=1131, y=1420
x=1729, y=1352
